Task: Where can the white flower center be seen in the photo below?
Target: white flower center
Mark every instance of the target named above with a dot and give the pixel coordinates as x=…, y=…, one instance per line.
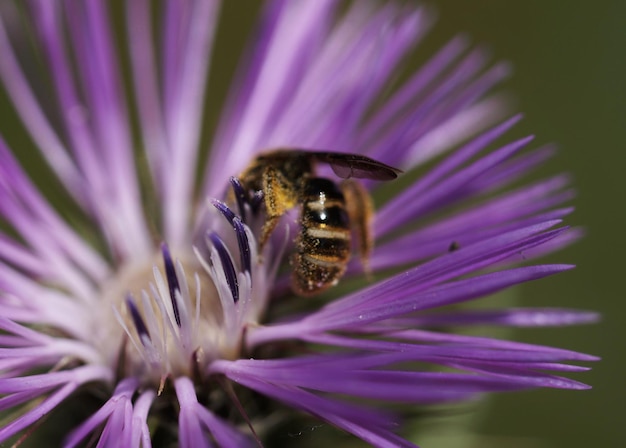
x=157, y=321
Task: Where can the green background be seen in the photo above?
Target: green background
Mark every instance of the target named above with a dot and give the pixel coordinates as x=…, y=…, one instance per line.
x=570, y=64
x=570, y=81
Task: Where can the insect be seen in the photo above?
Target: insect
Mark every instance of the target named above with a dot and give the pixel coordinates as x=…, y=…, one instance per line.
x=330, y=212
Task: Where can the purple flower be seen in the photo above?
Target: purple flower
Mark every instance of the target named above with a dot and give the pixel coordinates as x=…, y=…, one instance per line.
x=145, y=289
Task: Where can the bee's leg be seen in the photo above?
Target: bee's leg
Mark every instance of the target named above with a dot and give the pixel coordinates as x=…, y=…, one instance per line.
x=279, y=196
x=360, y=210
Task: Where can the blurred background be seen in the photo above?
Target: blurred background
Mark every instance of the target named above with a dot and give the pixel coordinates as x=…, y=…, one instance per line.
x=569, y=61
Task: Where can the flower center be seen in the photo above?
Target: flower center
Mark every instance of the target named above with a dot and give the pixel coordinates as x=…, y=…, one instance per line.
x=173, y=315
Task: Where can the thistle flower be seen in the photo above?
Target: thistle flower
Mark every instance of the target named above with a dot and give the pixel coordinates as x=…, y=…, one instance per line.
x=150, y=299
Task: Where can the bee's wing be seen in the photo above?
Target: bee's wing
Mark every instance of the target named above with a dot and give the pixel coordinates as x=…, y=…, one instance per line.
x=347, y=165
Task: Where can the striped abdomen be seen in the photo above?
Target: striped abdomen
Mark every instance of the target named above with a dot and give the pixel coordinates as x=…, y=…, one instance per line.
x=323, y=245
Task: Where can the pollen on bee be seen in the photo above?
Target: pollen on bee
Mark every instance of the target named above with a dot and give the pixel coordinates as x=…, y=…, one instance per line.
x=330, y=211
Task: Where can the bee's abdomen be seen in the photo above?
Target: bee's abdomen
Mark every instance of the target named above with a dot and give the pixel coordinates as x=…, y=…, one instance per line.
x=323, y=245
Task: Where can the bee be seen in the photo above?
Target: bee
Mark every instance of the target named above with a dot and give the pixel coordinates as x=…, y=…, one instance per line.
x=330, y=212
